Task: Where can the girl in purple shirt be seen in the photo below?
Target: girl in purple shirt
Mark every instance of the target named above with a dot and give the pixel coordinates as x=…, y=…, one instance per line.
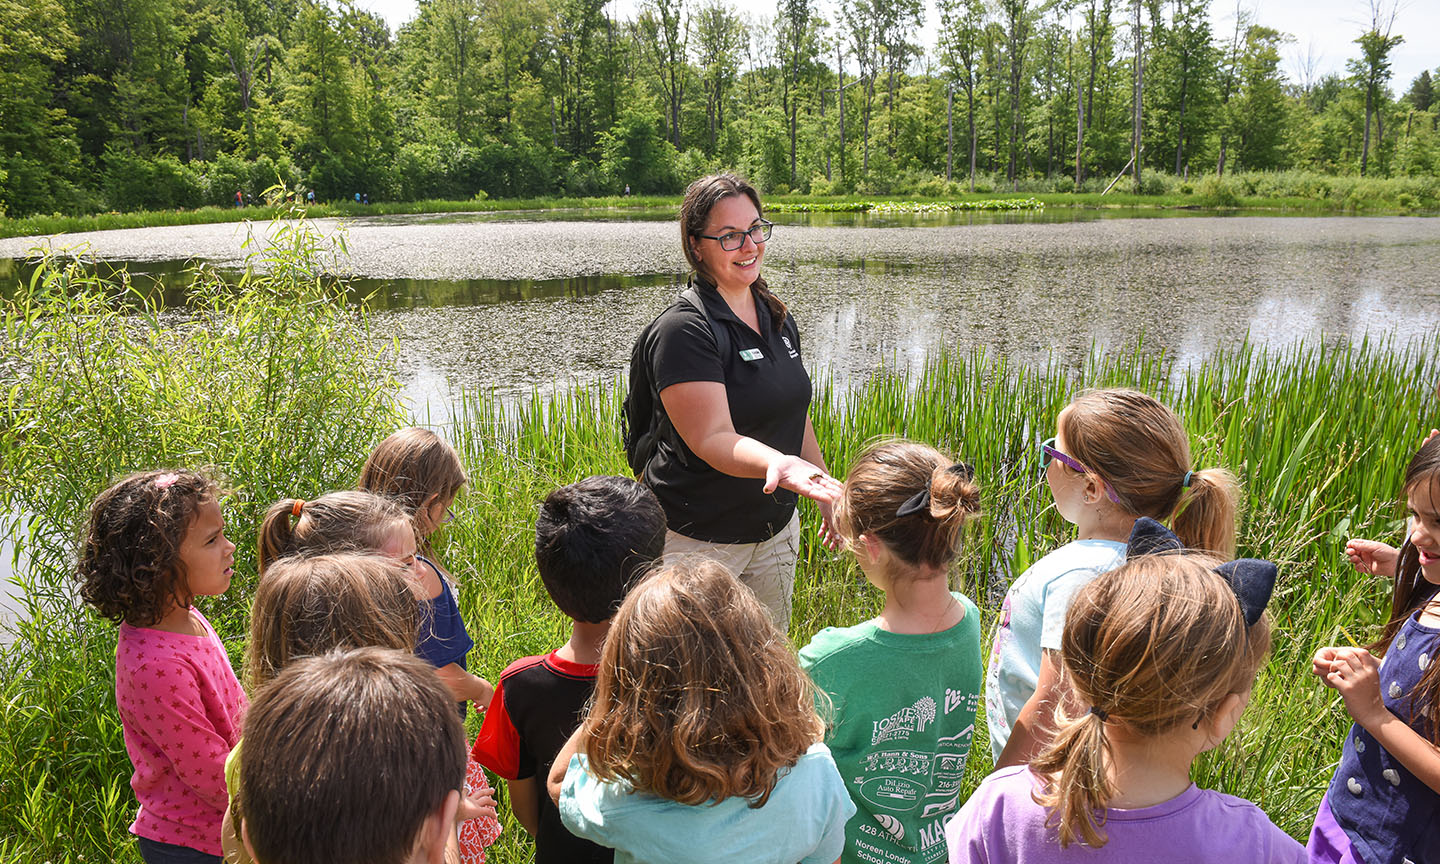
x=1114, y=784
x=156, y=541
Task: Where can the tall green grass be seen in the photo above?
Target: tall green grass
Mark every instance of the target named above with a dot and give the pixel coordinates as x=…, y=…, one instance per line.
x=284, y=389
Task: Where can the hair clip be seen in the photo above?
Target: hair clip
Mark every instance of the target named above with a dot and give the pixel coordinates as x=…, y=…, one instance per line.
x=920, y=501
x=165, y=481
x=1252, y=579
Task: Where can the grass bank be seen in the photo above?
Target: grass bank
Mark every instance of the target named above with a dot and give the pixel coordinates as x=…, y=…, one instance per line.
x=1281, y=190
x=284, y=390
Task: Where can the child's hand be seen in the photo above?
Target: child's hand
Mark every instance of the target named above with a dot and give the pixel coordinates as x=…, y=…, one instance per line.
x=477, y=805
x=1355, y=674
x=1368, y=556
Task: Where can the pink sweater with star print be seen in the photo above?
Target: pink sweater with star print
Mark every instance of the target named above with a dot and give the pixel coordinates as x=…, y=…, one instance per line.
x=181, y=707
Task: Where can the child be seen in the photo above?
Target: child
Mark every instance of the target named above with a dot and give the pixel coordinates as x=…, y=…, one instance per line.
x=1383, y=804
x=702, y=743
x=592, y=540
x=307, y=606
x=419, y=471
x=904, y=685
x=352, y=758
x=1115, y=781
x=156, y=541
x=1116, y=455
x=362, y=522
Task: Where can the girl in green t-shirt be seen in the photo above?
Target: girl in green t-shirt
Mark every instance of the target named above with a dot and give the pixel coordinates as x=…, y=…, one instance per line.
x=904, y=685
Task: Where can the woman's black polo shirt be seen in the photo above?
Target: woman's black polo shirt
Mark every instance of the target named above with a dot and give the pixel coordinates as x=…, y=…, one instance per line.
x=768, y=391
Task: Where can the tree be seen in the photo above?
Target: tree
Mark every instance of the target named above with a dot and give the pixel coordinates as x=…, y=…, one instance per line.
x=1016, y=17
x=797, y=55
x=719, y=37
x=1421, y=94
x=961, y=25
x=1259, y=117
x=1372, y=69
x=665, y=31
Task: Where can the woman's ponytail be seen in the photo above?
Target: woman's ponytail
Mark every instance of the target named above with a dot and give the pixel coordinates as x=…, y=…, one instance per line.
x=277, y=535
x=1205, y=518
x=1079, y=788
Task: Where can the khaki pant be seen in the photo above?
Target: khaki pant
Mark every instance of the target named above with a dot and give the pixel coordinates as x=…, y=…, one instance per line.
x=767, y=568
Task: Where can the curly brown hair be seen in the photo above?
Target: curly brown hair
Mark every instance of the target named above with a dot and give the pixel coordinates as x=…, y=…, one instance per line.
x=130, y=568
x=698, y=696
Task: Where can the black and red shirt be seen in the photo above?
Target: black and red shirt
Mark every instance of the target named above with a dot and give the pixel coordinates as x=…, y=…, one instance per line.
x=539, y=702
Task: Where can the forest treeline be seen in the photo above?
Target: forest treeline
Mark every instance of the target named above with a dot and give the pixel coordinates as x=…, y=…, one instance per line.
x=153, y=104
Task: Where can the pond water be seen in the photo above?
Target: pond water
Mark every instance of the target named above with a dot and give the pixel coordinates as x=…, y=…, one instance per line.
x=514, y=302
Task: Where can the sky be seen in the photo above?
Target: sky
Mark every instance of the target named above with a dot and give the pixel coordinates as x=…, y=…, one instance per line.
x=1322, y=29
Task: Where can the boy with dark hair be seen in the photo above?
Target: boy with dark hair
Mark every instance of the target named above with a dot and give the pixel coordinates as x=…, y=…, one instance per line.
x=593, y=539
x=352, y=757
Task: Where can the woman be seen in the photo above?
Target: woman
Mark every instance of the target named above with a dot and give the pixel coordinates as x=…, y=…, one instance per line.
x=736, y=415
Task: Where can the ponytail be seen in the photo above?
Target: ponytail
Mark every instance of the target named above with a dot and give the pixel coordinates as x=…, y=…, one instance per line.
x=1150, y=646
x=1138, y=447
x=333, y=523
x=277, y=536
x=1078, y=788
x=1205, y=518
x=777, y=307
x=911, y=497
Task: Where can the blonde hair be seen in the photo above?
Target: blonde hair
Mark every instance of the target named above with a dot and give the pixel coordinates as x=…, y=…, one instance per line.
x=1154, y=644
x=1138, y=447
x=334, y=522
x=307, y=606
x=887, y=475
x=412, y=465
x=698, y=696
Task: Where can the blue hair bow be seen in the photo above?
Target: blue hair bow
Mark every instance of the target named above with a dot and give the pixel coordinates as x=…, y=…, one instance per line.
x=1252, y=579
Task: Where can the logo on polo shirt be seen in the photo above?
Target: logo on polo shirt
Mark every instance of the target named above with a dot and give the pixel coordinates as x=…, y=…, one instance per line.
x=793, y=352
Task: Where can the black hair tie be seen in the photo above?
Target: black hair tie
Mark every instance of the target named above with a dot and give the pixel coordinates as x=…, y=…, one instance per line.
x=1103, y=715
x=920, y=501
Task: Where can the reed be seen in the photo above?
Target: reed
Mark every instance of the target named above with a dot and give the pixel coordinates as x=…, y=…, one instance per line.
x=284, y=389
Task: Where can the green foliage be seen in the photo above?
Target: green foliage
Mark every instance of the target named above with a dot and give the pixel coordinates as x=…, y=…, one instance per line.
x=276, y=383
x=632, y=153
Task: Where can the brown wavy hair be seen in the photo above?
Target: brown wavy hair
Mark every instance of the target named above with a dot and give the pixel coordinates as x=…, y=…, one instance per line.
x=1412, y=590
x=700, y=198
x=698, y=696
x=412, y=465
x=335, y=522
x=889, y=473
x=129, y=568
x=1138, y=447
x=1154, y=644
x=307, y=606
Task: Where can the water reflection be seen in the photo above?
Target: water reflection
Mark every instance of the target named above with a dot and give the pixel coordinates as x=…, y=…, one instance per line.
x=1030, y=291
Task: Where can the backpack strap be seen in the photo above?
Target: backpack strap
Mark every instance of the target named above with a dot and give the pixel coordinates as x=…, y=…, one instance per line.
x=691, y=294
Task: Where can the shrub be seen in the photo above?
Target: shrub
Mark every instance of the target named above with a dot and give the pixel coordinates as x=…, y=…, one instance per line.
x=161, y=183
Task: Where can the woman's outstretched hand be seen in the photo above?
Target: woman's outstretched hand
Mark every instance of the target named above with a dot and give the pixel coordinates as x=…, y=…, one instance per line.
x=802, y=478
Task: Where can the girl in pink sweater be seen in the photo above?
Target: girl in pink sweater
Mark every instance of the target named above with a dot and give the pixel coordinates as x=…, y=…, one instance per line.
x=156, y=541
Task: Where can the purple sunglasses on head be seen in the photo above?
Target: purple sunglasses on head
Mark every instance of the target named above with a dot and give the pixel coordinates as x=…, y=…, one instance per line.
x=1048, y=452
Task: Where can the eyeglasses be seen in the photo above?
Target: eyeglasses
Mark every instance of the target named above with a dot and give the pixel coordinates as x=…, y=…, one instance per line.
x=732, y=240
x=1048, y=453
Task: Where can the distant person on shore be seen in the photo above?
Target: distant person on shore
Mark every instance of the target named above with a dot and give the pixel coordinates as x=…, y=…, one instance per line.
x=1117, y=455
x=1161, y=654
x=914, y=669
x=1384, y=801
x=310, y=196
x=719, y=407
x=627, y=190
x=353, y=757
x=155, y=542
x=593, y=540
x=366, y=200
x=239, y=198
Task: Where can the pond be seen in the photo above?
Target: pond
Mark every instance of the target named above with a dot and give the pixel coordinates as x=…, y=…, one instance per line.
x=516, y=302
